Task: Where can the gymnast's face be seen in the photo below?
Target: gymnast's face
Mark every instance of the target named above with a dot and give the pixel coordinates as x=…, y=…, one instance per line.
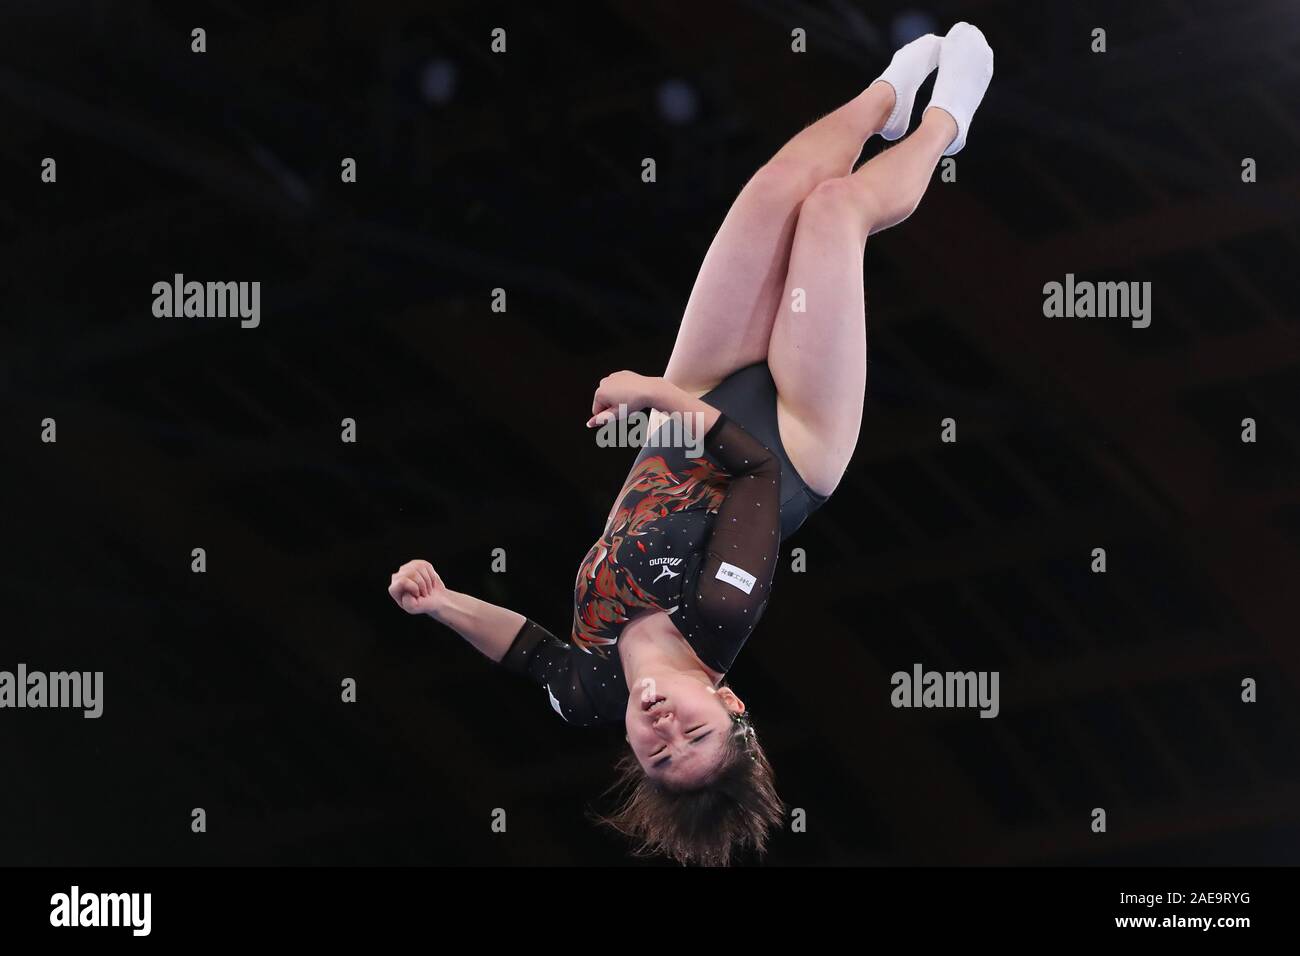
x=677, y=727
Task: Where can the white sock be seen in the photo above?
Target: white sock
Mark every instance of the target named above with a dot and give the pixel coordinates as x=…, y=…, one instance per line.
x=906, y=72
x=965, y=68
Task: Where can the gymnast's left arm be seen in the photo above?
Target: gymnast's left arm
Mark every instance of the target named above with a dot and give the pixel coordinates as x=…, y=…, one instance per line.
x=418, y=589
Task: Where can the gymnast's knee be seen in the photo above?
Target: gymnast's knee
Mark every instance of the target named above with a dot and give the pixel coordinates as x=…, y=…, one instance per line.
x=783, y=181
x=836, y=202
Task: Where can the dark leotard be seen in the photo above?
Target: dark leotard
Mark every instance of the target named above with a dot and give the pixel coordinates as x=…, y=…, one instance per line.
x=697, y=538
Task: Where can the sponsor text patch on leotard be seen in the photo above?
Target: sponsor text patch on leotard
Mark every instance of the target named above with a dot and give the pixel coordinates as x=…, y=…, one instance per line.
x=736, y=577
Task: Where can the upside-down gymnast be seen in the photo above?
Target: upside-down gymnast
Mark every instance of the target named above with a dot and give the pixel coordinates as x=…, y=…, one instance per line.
x=667, y=597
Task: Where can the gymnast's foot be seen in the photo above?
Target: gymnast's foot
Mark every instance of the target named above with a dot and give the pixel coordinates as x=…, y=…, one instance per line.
x=965, y=69
x=905, y=74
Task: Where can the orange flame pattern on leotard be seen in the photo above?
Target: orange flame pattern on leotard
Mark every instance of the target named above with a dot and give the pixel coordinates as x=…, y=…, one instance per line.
x=605, y=590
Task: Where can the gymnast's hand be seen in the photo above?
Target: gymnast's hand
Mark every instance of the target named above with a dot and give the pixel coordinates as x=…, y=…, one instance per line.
x=416, y=588
x=623, y=388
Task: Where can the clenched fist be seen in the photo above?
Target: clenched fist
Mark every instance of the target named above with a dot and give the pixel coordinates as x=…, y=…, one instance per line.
x=622, y=388
x=417, y=588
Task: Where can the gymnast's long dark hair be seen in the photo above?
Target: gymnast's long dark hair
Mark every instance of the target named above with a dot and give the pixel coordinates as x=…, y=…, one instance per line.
x=712, y=824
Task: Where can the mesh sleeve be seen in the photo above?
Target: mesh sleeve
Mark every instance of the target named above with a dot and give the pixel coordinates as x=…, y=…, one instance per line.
x=543, y=658
x=735, y=578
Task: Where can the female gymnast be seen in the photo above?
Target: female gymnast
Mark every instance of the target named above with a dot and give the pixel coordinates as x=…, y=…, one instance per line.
x=667, y=597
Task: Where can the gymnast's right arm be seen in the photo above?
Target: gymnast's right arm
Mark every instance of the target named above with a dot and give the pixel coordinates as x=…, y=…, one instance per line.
x=417, y=589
